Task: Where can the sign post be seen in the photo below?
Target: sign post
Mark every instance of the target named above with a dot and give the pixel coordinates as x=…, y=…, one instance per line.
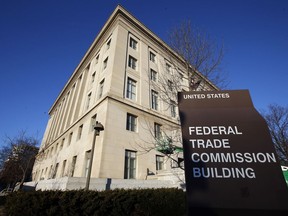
x=231, y=166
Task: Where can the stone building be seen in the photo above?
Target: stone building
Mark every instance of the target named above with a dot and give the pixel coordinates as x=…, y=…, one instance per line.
x=118, y=83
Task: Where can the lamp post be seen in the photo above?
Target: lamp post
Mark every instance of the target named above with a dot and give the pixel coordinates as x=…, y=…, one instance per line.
x=97, y=128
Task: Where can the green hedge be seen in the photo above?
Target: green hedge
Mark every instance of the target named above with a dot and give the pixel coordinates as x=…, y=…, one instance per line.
x=165, y=201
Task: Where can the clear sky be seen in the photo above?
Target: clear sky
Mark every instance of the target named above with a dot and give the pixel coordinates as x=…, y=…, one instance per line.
x=42, y=42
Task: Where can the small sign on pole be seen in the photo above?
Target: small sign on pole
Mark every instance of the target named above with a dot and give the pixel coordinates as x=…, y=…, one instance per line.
x=230, y=161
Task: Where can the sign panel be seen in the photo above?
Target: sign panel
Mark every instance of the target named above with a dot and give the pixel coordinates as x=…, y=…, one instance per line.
x=230, y=160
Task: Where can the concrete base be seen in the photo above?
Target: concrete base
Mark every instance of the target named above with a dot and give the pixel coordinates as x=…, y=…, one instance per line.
x=72, y=183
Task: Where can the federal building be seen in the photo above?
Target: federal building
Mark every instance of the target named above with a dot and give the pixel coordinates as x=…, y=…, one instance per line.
x=123, y=81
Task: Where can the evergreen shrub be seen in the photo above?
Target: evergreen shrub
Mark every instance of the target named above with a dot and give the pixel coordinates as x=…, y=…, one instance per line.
x=163, y=201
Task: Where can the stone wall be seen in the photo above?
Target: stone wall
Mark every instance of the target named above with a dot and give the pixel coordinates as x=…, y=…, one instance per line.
x=72, y=183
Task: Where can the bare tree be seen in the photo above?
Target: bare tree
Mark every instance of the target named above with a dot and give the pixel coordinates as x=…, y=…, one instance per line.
x=192, y=64
x=17, y=159
x=202, y=56
x=277, y=120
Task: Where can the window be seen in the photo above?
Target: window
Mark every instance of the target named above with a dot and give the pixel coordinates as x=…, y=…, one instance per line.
x=154, y=96
x=133, y=43
x=108, y=44
x=50, y=172
x=130, y=165
x=181, y=76
x=132, y=63
x=105, y=63
x=80, y=129
x=159, y=162
x=70, y=138
x=101, y=89
x=170, y=85
x=87, y=68
x=168, y=68
x=88, y=101
x=153, y=75
x=157, y=131
x=93, y=77
x=152, y=57
x=173, y=108
x=131, y=122
x=55, y=171
x=97, y=59
x=56, y=147
x=87, y=163
x=73, y=165
x=93, y=122
x=63, y=168
x=131, y=89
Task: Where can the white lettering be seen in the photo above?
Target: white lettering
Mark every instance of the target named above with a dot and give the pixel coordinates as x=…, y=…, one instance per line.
x=214, y=130
x=210, y=143
x=224, y=172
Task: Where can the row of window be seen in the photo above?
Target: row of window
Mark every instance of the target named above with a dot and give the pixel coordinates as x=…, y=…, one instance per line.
x=55, y=150
x=55, y=130
x=131, y=84
x=129, y=166
x=131, y=94
x=131, y=125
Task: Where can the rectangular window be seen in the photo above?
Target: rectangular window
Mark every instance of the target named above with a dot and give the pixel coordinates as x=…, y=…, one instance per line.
x=55, y=171
x=108, y=44
x=130, y=165
x=152, y=57
x=170, y=85
x=132, y=62
x=70, y=138
x=97, y=59
x=133, y=43
x=168, y=68
x=101, y=87
x=50, y=172
x=88, y=101
x=62, y=143
x=80, y=129
x=131, y=122
x=56, y=147
x=159, y=162
x=153, y=75
x=181, y=76
x=93, y=122
x=131, y=89
x=173, y=108
x=93, y=77
x=154, y=102
x=73, y=166
x=63, y=168
x=157, y=131
x=87, y=163
x=105, y=63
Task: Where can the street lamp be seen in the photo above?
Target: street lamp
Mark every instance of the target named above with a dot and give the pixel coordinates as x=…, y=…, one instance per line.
x=97, y=128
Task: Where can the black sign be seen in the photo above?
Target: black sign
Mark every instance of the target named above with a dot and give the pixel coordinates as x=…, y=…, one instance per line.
x=230, y=160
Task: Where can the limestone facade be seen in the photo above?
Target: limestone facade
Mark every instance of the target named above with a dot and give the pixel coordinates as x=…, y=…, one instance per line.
x=113, y=84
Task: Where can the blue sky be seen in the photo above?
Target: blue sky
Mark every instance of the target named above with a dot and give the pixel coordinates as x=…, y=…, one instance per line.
x=42, y=42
